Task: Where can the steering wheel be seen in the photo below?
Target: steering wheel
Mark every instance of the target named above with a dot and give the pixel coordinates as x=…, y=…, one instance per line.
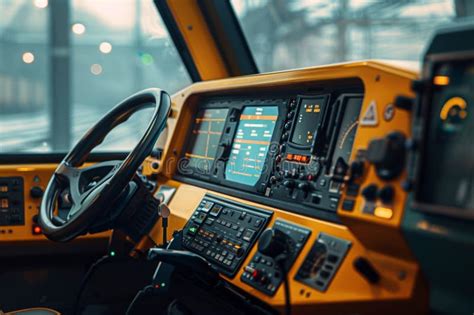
x=87, y=203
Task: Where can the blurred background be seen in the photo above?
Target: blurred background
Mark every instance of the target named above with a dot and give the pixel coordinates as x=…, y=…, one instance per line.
x=64, y=63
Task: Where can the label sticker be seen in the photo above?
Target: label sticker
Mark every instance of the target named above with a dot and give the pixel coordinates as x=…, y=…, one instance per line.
x=389, y=112
x=370, y=117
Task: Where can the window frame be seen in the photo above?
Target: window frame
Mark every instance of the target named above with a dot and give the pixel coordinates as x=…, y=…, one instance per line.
x=58, y=65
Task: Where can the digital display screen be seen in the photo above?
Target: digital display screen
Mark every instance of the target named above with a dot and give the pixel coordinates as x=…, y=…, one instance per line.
x=205, y=137
x=251, y=144
x=310, y=113
x=3, y=188
x=447, y=168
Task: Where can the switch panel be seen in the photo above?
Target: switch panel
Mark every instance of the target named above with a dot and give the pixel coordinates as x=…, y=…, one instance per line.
x=223, y=232
x=12, y=210
x=262, y=272
x=323, y=260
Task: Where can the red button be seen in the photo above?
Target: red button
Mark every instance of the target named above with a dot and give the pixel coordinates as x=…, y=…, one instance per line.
x=37, y=230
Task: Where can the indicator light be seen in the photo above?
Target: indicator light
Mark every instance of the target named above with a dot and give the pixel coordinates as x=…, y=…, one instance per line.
x=37, y=230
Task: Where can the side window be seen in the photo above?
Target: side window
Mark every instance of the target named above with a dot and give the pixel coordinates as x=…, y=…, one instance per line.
x=63, y=64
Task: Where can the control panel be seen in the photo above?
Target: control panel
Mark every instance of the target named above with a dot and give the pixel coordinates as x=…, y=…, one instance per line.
x=315, y=149
x=224, y=232
x=322, y=261
x=12, y=210
x=290, y=150
x=264, y=272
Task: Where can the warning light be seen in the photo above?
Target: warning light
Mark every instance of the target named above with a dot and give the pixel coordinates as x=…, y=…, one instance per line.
x=441, y=80
x=382, y=212
x=37, y=230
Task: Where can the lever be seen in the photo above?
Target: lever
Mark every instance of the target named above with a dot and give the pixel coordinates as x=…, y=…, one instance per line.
x=366, y=270
x=165, y=212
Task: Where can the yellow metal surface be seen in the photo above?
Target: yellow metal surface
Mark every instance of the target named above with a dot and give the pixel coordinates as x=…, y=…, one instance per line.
x=33, y=175
x=198, y=39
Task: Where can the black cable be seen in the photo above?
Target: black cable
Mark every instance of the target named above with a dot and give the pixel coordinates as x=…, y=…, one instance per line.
x=164, y=224
x=286, y=286
x=287, y=294
x=136, y=298
x=85, y=280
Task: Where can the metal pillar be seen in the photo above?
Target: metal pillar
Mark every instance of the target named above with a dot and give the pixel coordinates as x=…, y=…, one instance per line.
x=60, y=79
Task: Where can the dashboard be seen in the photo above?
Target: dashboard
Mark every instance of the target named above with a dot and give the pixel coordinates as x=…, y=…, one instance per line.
x=289, y=149
x=311, y=154
x=308, y=154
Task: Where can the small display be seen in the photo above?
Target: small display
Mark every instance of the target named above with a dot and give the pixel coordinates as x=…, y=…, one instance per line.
x=447, y=177
x=251, y=144
x=205, y=136
x=3, y=188
x=308, y=119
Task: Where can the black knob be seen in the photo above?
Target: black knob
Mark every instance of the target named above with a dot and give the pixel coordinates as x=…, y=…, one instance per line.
x=284, y=137
x=303, y=186
x=273, y=180
x=156, y=153
x=273, y=243
x=388, y=155
x=155, y=165
x=36, y=192
x=293, y=104
x=288, y=125
x=289, y=183
x=365, y=268
x=404, y=102
x=370, y=192
x=291, y=115
x=357, y=169
x=386, y=194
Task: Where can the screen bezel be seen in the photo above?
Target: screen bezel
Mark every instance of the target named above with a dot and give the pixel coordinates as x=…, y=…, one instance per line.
x=270, y=153
x=425, y=112
x=299, y=100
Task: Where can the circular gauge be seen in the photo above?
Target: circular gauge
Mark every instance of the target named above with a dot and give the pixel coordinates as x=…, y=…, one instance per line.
x=452, y=114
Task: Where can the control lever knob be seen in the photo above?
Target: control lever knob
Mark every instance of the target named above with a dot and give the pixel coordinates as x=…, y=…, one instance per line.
x=370, y=192
x=273, y=243
x=36, y=192
x=388, y=155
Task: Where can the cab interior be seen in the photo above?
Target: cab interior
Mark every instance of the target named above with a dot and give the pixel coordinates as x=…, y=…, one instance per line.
x=236, y=156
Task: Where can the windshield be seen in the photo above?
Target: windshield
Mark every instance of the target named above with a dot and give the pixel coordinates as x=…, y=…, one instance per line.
x=64, y=64
x=284, y=34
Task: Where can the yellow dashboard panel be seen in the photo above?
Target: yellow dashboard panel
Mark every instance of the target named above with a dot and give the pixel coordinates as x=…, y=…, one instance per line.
x=34, y=178
x=370, y=223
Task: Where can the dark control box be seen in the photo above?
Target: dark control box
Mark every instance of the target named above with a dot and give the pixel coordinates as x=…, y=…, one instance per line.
x=12, y=211
x=263, y=273
x=223, y=232
x=322, y=262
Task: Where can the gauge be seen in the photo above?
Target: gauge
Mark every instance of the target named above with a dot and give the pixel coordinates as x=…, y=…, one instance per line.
x=452, y=114
x=347, y=131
